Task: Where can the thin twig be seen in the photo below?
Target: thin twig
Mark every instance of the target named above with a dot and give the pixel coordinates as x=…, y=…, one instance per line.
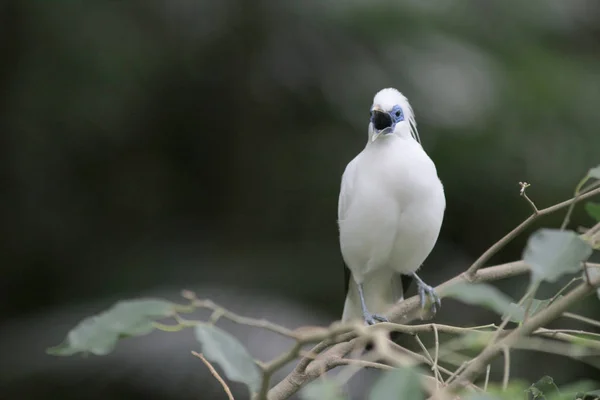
x=421, y=359
x=487, y=377
x=507, y=318
x=432, y=361
x=214, y=373
x=308, y=370
x=219, y=312
x=506, y=351
x=424, y=328
x=543, y=317
x=581, y=318
x=588, y=279
x=457, y=371
x=353, y=366
x=525, y=185
x=556, y=296
x=594, y=229
x=437, y=354
x=522, y=226
x=567, y=218
x=588, y=355
x=362, y=363
x=422, y=346
x=569, y=331
x=570, y=338
x=530, y=297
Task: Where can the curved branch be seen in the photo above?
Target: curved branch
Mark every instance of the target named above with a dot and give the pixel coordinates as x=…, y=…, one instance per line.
x=309, y=369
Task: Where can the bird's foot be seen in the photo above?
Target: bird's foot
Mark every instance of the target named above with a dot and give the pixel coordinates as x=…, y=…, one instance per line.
x=426, y=290
x=372, y=319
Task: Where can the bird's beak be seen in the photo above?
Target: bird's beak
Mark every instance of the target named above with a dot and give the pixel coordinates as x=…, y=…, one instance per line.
x=382, y=122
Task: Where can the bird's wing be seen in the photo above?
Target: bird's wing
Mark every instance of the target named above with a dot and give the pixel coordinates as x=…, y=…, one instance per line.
x=400, y=283
x=346, y=188
x=343, y=201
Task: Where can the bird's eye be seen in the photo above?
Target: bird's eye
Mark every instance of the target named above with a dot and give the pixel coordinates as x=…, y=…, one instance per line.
x=398, y=113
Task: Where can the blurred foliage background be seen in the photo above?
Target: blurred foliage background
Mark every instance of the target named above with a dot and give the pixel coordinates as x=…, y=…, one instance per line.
x=150, y=146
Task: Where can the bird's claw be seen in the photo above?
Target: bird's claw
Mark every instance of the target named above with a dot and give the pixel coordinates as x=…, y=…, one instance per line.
x=425, y=289
x=372, y=319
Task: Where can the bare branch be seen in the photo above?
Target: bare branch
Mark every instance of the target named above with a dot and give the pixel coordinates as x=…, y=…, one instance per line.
x=581, y=318
x=480, y=262
x=506, y=351
x=214, y=373
x=542, y=318
x=219, y=312
x=307, y=370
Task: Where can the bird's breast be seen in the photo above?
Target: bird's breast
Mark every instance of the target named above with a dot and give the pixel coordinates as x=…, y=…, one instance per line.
x=395, y=210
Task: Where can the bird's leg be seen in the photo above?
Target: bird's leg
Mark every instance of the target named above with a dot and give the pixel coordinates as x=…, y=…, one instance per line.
x=430, y=291
x=370, y=319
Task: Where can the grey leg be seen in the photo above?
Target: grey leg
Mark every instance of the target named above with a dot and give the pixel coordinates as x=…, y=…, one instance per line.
x=424, y=289
x=369, y=318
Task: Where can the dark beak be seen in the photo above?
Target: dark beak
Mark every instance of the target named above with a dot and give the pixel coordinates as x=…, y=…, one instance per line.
x=381, y=120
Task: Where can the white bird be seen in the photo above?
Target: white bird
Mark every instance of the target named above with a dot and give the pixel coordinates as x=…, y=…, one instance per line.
x=390, y=212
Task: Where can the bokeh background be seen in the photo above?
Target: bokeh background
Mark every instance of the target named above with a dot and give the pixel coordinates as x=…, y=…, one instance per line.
x=151, y=146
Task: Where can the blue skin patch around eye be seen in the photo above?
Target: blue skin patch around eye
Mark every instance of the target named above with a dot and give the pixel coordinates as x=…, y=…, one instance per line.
x=397, y=114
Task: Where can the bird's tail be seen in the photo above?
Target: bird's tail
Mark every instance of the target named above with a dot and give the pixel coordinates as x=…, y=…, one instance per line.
x=382, y=290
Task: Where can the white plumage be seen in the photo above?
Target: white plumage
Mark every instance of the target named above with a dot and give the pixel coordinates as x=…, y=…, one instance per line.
x=390, y=211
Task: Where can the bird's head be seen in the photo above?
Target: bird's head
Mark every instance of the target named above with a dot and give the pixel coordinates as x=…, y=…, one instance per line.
x=392, y=115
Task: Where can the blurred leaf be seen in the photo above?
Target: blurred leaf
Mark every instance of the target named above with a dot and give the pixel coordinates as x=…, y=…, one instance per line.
x=400, y=383
x=221, y=347
x=543, y=388
x=573, y=390
x=99, y=334
x=594, y=172
x=593, y=209
x=481, y=294
x=536, y=307
x=552, y=253
x=515, y=390
x=595, y=395
x=484, y=396
x=476, y=340
x=322, y=390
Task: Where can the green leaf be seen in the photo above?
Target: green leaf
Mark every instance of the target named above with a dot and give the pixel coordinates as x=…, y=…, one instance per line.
x=543, y=388
x=552, y=253
x=536, y=307
x=400, y=383
x=593, y=210
x=224, y=349
x=484, y=396
x=99, y=334
x=476, y=340
x=322, y=390
x=594, y=172
x=481, y=294
x=515, y=390
x=574, y=390
x=595, y=395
